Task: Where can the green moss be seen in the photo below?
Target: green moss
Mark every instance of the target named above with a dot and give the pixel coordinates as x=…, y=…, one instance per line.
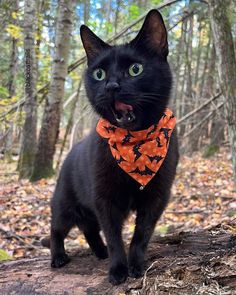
x=211, y=151
x=42, y=172
x=26, y=164
x=8, y=157
x=162, y=229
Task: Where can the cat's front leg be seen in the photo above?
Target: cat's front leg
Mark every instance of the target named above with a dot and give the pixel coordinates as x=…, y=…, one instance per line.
x=111, y=220
x=146, y=219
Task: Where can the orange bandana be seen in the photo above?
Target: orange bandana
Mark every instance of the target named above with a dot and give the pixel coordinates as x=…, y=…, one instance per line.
x=139, y=153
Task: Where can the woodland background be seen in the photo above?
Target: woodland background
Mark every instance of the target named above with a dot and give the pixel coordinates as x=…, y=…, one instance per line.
x=44, y=109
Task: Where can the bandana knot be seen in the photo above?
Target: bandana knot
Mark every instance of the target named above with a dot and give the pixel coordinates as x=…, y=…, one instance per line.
x=139, y=153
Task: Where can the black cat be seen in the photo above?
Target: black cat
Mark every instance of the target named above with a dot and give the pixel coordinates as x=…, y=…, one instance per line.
x=129, y=85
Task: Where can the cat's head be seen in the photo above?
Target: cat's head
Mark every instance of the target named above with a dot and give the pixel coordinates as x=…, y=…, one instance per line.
x=129, y=85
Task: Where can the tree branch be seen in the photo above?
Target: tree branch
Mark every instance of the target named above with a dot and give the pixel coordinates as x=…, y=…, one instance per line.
x=188, y=115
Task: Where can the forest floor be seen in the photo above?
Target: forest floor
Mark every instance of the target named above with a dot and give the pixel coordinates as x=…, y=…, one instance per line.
x=202, y=197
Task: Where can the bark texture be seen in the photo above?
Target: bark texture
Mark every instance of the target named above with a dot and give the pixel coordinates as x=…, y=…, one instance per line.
x=43, y=166
x=186, y=263
x=14, y=56
x=12, y=83
x=226, y=64
x=29, y=140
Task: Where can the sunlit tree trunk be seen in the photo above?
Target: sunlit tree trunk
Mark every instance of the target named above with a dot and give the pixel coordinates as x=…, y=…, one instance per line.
x=28, y=146
x=226, y=66
x=179, y=62
x=43, y=166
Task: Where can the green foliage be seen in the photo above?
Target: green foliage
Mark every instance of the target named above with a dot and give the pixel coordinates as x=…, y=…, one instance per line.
x=156, y=2
x=134, y=12
x=14, y=31
x=4, y=255
x=3, y=92
x=108, y=27
x=93, y=24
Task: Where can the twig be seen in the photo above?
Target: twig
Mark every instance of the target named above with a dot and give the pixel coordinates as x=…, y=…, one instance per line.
x=70, y=99
x=30, y=260
x=149, y=268
x=183, y=18
x=205, y=119
x=10, y=234
x=2, y=138
x=197, y=211
x=199, y=108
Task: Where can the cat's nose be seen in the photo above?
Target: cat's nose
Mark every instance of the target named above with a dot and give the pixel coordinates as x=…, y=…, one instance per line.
x=112, y=86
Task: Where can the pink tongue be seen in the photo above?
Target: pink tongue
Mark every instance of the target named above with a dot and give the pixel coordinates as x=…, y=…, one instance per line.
x=120, y=106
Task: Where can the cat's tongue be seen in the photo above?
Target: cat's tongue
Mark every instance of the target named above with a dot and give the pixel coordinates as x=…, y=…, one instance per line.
x=120, y=106
x=124, y=113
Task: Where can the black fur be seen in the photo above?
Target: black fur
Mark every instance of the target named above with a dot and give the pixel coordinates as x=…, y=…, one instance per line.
x=92, y=191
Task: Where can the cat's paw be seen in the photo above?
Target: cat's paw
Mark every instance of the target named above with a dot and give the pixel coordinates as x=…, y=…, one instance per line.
x=60, y=260
x=101, y=253
x=136, y=270
x=118, y=274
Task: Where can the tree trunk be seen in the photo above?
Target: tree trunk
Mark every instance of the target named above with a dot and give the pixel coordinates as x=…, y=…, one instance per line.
x=206, y=63
x=199, y=53
x=28, y=147
x=191, y=97
x=178, y=66
x=189, y=53
x=86, y=11
x=43, y=166
x=13, y=68
x=224, y=46
x=118, y=3
x=217, y=124
x=12, y=84
x=202, y=262
x=181, y=97
x=14, y=56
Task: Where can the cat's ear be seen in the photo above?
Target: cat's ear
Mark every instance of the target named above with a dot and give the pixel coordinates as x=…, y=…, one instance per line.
x=92, y=44
x=153, y=34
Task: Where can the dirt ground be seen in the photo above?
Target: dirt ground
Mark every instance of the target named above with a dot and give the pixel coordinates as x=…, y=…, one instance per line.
x=192, y=251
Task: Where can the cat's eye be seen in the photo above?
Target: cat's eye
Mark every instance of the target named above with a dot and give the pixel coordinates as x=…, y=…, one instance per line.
x=135, y=69
x=99, y=74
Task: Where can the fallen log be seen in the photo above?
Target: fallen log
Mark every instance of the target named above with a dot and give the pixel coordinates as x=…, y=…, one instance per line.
x=202, y=262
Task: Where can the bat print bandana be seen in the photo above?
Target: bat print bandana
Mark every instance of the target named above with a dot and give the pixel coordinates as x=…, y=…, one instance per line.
x=139, y=153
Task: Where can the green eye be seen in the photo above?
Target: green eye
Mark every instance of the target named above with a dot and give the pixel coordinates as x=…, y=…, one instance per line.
x=135, y=69
x=99, y=74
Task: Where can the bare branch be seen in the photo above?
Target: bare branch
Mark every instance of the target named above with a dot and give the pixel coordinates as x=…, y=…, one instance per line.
x=188, y=115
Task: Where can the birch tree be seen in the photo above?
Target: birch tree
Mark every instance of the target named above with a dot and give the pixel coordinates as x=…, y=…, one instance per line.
x=43, y=166
x=226, y=64
x=28, y=146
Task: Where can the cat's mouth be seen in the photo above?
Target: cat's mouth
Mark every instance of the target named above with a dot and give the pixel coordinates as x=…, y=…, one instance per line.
x=123, y=113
